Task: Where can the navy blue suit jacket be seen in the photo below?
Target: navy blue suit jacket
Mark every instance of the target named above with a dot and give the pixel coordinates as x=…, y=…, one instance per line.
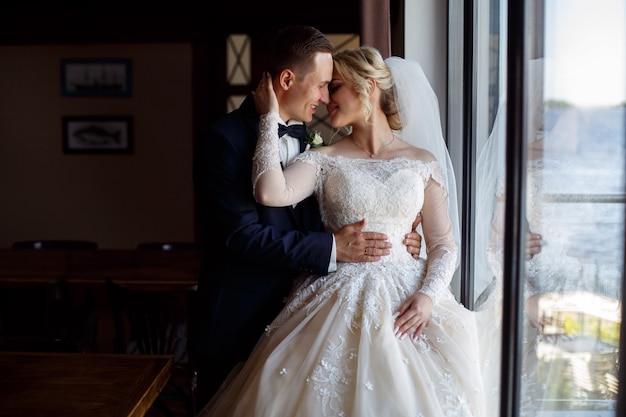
x=252, y=252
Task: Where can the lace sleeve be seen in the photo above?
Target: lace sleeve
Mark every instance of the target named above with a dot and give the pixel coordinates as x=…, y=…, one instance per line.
x=441, y=249
x=271, y=185
x=266, y=155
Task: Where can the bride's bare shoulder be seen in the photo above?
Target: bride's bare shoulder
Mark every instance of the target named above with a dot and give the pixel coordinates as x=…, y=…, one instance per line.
x=420, y=154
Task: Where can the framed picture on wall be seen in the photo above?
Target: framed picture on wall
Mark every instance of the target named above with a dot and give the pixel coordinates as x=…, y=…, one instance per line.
x=98, y=134
x=96, y=77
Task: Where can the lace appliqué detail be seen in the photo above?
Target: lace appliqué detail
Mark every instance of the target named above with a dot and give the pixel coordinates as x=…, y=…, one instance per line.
x=333, y=376
x=434, y=285
x=457, y=404
x=267, y=154
x=378, y=190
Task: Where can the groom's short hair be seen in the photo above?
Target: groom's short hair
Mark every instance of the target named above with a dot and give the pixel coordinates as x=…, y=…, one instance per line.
x=295, y=47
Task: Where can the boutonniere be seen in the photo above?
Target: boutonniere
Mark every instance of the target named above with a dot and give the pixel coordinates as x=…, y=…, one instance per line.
x=313, y=139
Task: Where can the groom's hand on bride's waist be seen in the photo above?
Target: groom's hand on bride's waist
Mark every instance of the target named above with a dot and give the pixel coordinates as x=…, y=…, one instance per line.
x=355, y=245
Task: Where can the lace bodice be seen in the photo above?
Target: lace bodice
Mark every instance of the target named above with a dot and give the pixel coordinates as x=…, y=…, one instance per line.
x=388, y=194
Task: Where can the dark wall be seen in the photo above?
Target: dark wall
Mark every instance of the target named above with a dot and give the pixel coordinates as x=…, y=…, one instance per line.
x=204, y=24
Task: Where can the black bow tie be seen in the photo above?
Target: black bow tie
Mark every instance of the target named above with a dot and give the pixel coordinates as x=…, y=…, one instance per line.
x=295, y=131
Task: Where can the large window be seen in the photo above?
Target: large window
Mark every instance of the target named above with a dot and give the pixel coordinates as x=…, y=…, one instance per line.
x=566, y=183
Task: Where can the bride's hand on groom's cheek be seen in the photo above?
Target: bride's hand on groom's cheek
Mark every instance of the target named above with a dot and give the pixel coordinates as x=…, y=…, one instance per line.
x=264, y=96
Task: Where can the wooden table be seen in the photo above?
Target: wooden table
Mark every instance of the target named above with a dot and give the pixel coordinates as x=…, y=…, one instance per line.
x=75, y=385
x=95, y=266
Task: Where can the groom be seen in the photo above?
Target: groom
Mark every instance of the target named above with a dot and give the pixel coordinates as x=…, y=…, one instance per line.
x=253, y=252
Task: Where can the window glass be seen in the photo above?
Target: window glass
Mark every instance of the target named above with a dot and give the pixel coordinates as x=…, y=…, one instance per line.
x=574, y=199
x=238, y=60
x=489, y=77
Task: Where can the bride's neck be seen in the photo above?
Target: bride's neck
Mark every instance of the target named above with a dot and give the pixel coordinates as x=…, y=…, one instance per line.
x=372, y=141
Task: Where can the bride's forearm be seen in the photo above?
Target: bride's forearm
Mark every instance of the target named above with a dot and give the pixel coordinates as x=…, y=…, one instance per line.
x=269, y=183
x=278, y=188
x=271, y=189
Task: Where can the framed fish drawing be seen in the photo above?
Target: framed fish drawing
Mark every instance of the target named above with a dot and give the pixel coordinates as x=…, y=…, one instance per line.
x=97, y=134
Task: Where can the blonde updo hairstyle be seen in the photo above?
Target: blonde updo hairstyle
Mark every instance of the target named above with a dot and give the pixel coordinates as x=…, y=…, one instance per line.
x=358, y=65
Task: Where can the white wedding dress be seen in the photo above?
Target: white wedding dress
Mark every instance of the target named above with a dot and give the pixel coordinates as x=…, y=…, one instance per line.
x=332, y=350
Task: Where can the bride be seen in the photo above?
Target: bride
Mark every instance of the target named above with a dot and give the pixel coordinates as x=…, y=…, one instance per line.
x=371, y=339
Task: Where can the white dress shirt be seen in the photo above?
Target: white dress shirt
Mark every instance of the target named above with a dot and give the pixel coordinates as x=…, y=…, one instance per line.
x=289, y=146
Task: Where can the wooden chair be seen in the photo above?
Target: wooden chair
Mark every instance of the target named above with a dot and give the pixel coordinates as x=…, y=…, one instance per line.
x=155, y=321
x=46, y=313
x=46, y=317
